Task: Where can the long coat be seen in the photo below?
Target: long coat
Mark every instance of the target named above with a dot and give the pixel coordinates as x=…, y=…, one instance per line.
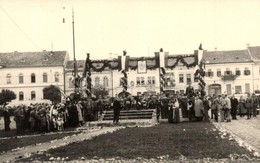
x=198, y=107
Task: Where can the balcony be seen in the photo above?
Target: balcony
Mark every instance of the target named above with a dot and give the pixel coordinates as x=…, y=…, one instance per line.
x=228, y=77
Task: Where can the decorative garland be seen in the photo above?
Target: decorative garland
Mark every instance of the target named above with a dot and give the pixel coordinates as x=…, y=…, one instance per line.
x=179, y=58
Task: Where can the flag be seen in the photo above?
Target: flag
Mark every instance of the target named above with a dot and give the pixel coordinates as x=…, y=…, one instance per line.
x=162, y=59
x=200, y=53
x=123, y=63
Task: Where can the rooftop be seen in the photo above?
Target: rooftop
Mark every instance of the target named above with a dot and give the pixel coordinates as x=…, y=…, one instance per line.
x=255, y=52
x=233, y=56
x=33, y=59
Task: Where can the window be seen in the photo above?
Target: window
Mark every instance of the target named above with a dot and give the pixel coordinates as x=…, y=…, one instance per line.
x=247, y=88
x=33, y=95
x=188, y=78
x=71, y=84
x=209, y=73
x=20, y=78
x=105, y=82
x=138, y=81
x=97, y=80
x=181, y=78
x=45, y=78
x=238, y=89
x=247, y=71
x=33, y=78
x=218, y=72
x=228, y=72
x=238, y=73
x=142, y=81
x=8, y=78
x=57, y=77
x=21, y=97
x=151, y=80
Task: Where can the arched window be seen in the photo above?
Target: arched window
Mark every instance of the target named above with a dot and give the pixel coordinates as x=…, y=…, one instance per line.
x=8, y=79
x=97, y=80
x=20, y=78
x=45, y=77
x=71, y=84
x=57, y=77
x=33, y=95
x=21, y=97
x=105, y=82
x=33, y=78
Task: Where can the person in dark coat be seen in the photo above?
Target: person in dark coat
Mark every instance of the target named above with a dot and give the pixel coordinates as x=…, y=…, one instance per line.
x=116, y=108
x=249, y=106
x=189, y=91
x=206, y=107
x=7, y=120
x=234, y=104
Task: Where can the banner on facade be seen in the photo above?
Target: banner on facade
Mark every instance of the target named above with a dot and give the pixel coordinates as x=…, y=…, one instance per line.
x=141, y=67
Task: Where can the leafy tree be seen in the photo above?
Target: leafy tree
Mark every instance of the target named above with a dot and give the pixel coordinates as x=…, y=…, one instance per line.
x=52, y=93
x=6, y=96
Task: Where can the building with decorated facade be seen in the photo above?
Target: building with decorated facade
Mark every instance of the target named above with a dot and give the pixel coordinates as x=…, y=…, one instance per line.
x=230, y=72
x=143, y=74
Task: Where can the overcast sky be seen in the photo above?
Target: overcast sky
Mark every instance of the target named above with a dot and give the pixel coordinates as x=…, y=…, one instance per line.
x=140, y=27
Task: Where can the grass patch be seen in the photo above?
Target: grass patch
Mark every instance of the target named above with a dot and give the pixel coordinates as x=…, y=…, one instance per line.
x=191, y=140
x=15, y=142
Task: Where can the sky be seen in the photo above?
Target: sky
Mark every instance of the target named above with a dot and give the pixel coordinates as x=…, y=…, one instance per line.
x=105, y=28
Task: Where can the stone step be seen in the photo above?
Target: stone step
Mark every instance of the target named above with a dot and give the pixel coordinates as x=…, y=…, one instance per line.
x=134, y=113
x=130, y=114
x=129, y=117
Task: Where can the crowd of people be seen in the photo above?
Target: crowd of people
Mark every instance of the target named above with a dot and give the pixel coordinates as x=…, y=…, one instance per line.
x=72, y=113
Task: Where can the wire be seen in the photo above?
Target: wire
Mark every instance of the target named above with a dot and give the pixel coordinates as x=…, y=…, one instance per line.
x=19, y=27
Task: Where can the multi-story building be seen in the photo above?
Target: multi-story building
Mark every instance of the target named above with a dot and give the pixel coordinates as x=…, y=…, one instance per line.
x=27, y=73
x=232, y=72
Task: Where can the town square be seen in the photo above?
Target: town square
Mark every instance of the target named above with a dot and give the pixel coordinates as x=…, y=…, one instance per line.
x=129, y=81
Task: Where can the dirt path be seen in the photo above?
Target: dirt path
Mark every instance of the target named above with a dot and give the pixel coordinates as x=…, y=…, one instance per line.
x=28, y=150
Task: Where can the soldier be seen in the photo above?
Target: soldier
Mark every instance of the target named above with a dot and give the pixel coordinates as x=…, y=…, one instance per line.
x=215, y=107
x=249, y=106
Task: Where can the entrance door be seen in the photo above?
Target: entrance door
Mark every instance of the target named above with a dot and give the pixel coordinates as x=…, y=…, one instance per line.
x=228, y=89
x=214, y=89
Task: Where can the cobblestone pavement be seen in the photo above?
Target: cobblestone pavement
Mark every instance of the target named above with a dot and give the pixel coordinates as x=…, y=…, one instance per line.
x=247, y=131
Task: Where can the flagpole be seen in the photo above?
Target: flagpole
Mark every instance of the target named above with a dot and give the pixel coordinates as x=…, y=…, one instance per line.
x=74, y=55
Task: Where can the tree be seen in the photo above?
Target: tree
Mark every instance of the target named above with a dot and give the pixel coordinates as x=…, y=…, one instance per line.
x=52, y=93
x=6, y=96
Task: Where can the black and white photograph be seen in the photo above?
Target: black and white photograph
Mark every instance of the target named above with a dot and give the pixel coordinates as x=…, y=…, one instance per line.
x=130, y=81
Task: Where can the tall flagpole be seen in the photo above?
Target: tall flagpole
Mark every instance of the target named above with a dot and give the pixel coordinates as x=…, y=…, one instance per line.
x=74, y=55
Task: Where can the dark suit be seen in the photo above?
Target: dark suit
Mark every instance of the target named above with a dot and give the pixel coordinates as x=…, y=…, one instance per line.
x=234, y=103
x=116, y=108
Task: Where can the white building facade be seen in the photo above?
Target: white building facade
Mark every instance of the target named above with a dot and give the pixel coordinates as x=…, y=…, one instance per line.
x=28, y=73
